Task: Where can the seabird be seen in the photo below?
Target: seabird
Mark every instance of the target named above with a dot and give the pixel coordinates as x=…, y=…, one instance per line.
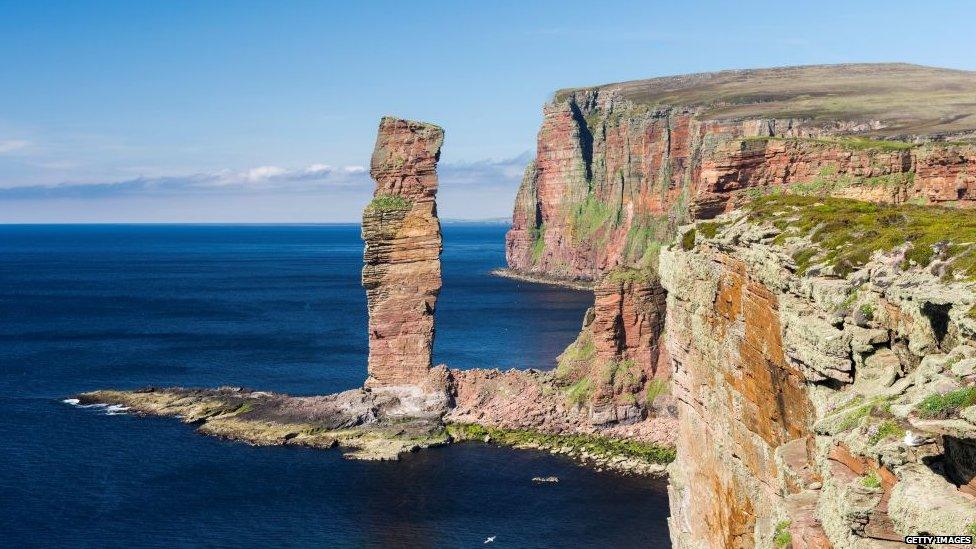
x=490, y=539
x=912, y=440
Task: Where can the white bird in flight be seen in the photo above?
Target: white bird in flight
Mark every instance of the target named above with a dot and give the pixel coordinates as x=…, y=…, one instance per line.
x=490, y=539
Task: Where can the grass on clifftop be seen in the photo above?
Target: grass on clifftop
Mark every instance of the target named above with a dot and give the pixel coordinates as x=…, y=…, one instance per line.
x=850, y=143
x=389, y=203
x=591, y=444
x=845, y=232
x=624, y=275
x=945, y=405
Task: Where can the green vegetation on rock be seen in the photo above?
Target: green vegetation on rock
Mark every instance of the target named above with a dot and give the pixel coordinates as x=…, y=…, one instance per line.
x=871, y=480
x=850, y=143
x=782, y=536
x=688, y=240
x=576, y=357
x=656, y=388
x=591, y=444
x=589, y=217
x=644, y=240
x=847, y=232
x=945, y=405
x=538, y=242
x=886, y=429
x=579, y=393
x=626, y=274
x=389, y=203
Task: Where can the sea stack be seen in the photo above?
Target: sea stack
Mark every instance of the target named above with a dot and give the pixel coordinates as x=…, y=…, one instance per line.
x=402, y=270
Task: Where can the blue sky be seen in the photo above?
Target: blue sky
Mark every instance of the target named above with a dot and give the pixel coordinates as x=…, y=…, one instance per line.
x=216, y=111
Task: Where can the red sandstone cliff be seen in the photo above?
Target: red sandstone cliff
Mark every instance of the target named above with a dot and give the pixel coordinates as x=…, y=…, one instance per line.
x=616, y=370
x=402, y=271
x=618, y=167
x=796, y=387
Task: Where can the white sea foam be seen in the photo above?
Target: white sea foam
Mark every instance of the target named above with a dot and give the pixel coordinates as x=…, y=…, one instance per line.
x=116, y=409
x=110, y=409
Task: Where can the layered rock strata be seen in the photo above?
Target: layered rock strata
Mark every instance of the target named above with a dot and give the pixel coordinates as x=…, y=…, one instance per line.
x=402, y=271
x=616, y=370
x=800, y=375
x=619, y=167
x=406, y=403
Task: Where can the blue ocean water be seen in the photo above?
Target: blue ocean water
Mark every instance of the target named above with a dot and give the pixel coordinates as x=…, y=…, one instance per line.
x=277, y=308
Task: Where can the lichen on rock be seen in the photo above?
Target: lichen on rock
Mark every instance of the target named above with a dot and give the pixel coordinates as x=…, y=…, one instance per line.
x=798, y=387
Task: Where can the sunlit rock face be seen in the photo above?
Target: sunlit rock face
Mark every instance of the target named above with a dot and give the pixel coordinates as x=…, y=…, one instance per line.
x=402, y=271
x=819, y=406
x=618, y=167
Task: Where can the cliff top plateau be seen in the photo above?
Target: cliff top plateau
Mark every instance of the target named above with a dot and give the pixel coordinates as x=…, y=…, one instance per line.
x=911, y=99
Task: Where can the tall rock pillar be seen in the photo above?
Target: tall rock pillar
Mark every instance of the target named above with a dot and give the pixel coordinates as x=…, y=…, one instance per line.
x=402, y=271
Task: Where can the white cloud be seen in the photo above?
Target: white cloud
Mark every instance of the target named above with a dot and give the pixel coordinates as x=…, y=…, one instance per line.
x=318, y=169
x=11, y=145
x=263, y=173
x=500, y=176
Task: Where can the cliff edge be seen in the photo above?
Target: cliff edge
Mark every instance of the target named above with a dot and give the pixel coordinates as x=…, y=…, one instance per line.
x=619, y=167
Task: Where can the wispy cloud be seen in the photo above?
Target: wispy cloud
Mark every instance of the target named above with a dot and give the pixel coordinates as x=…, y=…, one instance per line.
x=12, y=145
x=491, y=174
x=259, y=179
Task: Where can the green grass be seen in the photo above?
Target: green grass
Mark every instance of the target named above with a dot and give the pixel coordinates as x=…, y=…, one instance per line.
x=803, y=258
x=971, y=529
x=782, y=536
x=887, y=429
x=591, y=444
x=846, y=232
x=688, y=240
x=589, y=217
x=849, y=143
x=579, y=393
x=871, y=480
x=538, y=242
x=656, y=388
x=576, y=357
x=853, y=418
x=389, y=203
x=642, y=246
x=708, y=229
x=867, y=311
x=945, y=405
x=628, y=275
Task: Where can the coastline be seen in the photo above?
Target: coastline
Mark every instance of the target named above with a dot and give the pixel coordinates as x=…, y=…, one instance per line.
x=261, y=418
x=581, y=285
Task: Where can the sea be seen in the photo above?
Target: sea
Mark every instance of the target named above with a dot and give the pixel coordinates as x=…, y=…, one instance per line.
x=280, y=308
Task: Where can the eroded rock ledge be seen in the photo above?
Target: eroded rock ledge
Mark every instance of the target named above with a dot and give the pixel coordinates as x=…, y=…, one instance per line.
x=808, y=337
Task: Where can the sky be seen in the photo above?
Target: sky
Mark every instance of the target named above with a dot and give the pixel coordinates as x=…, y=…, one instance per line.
x=219, y=112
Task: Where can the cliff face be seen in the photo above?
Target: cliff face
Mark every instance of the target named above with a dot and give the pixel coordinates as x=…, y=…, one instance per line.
x=616, y=370
x=619, y=167
x=801, y=364
x=402, y=271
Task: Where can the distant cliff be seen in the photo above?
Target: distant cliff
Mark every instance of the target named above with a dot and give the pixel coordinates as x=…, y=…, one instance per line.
x=619, y=167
